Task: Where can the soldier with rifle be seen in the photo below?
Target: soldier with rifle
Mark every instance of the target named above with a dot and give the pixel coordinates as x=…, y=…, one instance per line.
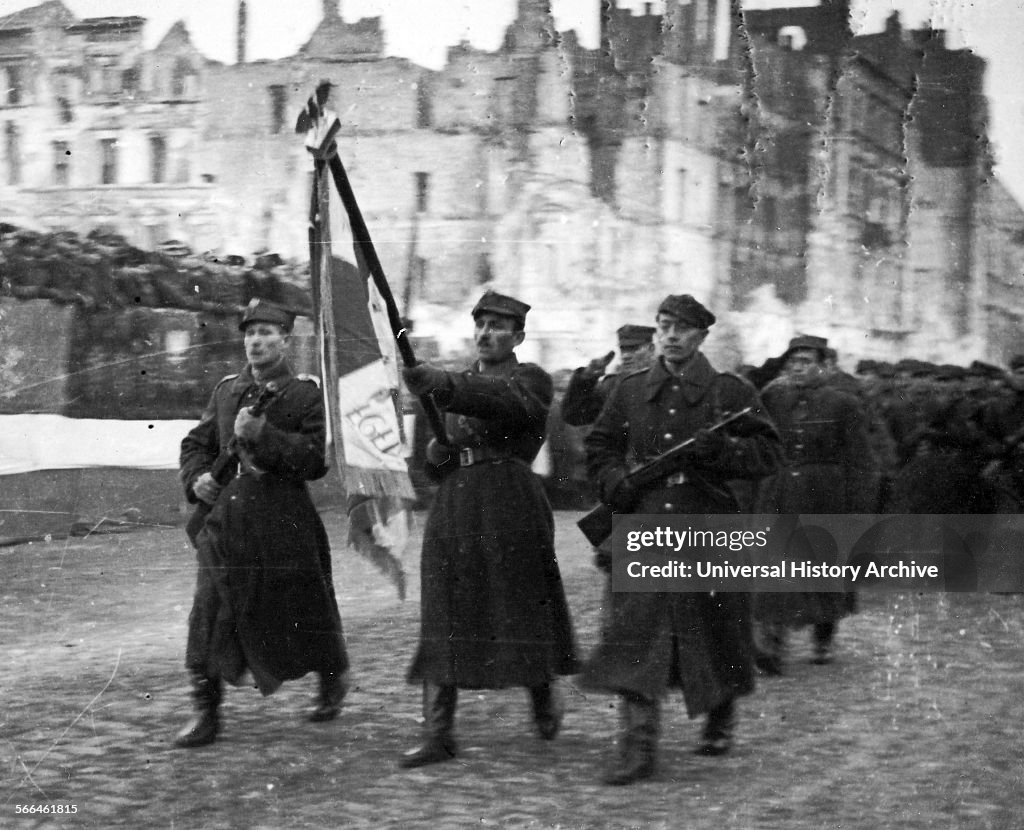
x=264, y=601
x=698, y=642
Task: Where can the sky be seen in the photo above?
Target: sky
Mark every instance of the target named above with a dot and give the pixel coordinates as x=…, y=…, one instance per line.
x=421, y=30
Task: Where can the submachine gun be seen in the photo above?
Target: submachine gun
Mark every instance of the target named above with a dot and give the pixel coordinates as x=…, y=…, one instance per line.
x=226, y=464
x=597, y=524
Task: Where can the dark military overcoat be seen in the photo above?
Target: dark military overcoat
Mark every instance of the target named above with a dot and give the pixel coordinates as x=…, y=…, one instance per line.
x=585, y=396
x=696, y=641
x=950, y=452
x=493, y=609
x=265, y=597
x=830, y=467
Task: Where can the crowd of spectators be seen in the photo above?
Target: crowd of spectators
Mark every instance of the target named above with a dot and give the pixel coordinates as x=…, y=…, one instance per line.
x=101, y=270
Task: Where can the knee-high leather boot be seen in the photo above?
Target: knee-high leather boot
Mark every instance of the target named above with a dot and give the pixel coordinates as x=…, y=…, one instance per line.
x=824, y=634
x=331, y=690
x=439, y=720
x=772, y=645
x=547, y=710
x=203, y=728
x=718, y=730
x=638, y=748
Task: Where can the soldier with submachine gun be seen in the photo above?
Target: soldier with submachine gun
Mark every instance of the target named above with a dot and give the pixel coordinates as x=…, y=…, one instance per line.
x=698, y=642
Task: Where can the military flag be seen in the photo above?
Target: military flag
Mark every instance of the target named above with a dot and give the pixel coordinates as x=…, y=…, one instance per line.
x=359, y=365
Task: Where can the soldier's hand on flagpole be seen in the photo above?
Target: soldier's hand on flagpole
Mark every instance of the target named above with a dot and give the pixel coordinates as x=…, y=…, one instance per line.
x=206, y=488
x=437, y=453
x=423, y=378
x=248, y=426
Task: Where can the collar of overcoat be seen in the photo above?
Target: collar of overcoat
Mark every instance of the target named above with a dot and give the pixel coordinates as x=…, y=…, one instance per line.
x=815, y=382
x=495, y=369
x=279, y=374
x=694, y=379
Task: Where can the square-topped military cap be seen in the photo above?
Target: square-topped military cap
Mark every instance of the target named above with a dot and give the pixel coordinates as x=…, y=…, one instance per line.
x=807, y=341
x=501, y=304
x=631, y=335
x=264, y=311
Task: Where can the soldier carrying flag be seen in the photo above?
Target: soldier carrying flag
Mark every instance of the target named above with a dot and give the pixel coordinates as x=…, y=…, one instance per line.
x=494, y=612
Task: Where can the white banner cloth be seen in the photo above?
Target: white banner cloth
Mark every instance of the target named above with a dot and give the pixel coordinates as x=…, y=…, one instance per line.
x=53, y=442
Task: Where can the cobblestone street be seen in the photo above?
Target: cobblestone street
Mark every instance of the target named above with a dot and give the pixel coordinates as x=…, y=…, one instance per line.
x=917, y=725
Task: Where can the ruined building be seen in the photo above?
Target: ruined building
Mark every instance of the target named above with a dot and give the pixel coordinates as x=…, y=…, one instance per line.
x=872, y=171
x=794, y=176
x=99, y=131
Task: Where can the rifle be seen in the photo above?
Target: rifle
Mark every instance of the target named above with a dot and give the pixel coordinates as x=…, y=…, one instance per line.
x=225, y=464
x=597, y=524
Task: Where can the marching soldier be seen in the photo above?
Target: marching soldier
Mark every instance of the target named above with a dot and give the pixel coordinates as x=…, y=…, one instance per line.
x=829, y=468
x=698, y=642
x=589, y=385
x=493, y=609
x=264, y=600
x=880, y=440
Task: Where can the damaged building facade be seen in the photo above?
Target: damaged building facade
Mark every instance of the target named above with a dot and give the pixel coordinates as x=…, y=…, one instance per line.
x=794, y=176
x=98, y=131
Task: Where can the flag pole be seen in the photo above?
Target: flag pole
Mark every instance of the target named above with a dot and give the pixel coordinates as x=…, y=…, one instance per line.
x=369, y=254
x=376, y=506
x=325, y=151
x=323, y=302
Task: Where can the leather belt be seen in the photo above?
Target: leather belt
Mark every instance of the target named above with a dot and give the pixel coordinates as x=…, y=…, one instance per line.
x=468, y=456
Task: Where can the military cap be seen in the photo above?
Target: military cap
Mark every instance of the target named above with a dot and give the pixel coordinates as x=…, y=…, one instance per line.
x=1016, y=362
x=267, y=260
x=174, y=248
x=631, y=336
x=264, y=311
x=807, y=341
x=987, y=370
x=234, y=259
x=866, y=367
x=496, y=303
x=27, y=235
x=685, y=308
x=949, y=371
